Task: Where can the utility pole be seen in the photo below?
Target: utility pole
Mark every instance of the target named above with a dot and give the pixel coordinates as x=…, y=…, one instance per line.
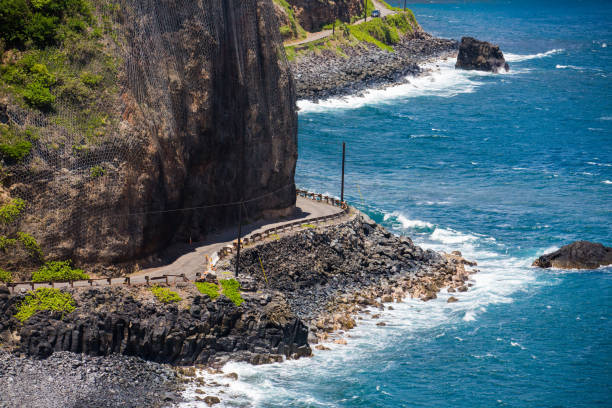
x=239, y=237
x=365, y=10
x=404, y=6
x=343, y=158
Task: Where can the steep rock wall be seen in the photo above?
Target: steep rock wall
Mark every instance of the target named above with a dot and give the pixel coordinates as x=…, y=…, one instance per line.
x=313, y=14
x=204, y=114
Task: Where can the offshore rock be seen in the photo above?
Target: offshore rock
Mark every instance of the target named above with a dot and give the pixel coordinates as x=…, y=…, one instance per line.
x=577, y=255
x=480, y=56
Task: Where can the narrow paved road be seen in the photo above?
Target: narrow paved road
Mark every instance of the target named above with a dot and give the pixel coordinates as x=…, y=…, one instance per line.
x=191, y=259
x=384, y=11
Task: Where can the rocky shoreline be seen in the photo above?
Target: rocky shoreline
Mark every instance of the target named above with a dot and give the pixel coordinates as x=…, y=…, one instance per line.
x=73, y=380
x=327, y=74
x=300, y=290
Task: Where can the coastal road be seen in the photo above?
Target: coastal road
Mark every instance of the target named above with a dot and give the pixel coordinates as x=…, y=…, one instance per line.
x=384, y=11
x=192, y=259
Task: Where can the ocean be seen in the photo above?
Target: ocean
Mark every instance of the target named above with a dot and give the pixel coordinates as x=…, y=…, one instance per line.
x=503, y=168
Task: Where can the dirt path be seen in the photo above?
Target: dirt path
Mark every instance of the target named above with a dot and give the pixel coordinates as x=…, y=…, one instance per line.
x=384, y=11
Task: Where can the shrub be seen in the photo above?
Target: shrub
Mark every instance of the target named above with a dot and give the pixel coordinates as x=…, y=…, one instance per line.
x=96, y=171
x=14, y=143
x=5, y=276
x=38, y=96
x=208, y=288
x=58, y=271
x=45, y=299
x=165, y=295
x=30, y=244
x=11, y=211
x=90, y=79
x=231, y=289
x=6, y=243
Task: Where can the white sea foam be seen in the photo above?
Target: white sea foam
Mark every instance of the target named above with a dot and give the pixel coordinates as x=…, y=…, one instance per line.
x=520, y=58
x=443, y=80
x=600, y=164
x=291, y=382
x=407, y=223
x=607, y=182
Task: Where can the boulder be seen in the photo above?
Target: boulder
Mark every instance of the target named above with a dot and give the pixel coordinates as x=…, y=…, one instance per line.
x=480, y=56
x=577, y=255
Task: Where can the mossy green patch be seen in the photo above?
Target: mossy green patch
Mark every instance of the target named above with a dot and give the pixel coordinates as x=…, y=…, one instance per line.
x=6, y=243
x=5, y=276
x=231, y=290
x=165, y=295
x=96, y=171
x=58, y=271
x=11, y=211
x=207, y=288
x=31, y=245
x=45, y=299
x=293, y=29
x=15, y=144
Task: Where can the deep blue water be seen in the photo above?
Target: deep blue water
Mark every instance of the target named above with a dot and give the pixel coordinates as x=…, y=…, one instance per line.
x=500, y=167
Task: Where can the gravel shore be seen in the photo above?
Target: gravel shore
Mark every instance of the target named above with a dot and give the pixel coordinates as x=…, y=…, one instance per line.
x=327, y=74
x=73, y=380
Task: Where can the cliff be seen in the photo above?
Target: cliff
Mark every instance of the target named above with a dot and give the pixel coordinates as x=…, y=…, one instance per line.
x=314, y=14
x=144, y=109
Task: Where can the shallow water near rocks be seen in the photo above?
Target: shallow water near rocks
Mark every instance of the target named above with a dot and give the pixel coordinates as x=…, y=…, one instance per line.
x=501, y=167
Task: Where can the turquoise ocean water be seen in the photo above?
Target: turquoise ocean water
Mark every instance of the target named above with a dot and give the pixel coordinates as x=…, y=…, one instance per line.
x=500, y=167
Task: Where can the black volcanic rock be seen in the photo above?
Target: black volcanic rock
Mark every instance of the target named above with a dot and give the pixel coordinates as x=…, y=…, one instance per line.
x=480, y=56
x=577, y=255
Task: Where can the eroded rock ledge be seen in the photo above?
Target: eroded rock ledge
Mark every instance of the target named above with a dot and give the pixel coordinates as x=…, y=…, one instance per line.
x=314, y=280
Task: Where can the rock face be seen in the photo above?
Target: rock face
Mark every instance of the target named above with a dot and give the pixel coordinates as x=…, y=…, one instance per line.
x=577, y=255
x=123, y=321
x=204, y=114
x=313, y=14
x=480, y=56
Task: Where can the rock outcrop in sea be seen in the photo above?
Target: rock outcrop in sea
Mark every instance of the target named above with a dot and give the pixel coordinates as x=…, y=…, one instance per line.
x=577, y=255
x=480, y=56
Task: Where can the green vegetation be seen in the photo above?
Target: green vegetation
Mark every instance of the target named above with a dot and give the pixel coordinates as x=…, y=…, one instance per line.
x=165, y=295
x=293, y=29
x=207, y=288
x=383, y=32
x=58, y=271
x=5, y=276
x=229, y=287
x=41, y=22
x=11, y=211
x=231, y=290
x=57, y=59
x=96, y=171
x=309, y=226
x=45, y=299
x=6, y=243
x=30, y=245
x=15, y=144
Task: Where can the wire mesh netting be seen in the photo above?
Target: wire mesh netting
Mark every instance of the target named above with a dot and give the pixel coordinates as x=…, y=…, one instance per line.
x=196, y=115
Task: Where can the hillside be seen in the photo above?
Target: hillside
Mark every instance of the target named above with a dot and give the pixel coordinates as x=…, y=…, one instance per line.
x=116, y=116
